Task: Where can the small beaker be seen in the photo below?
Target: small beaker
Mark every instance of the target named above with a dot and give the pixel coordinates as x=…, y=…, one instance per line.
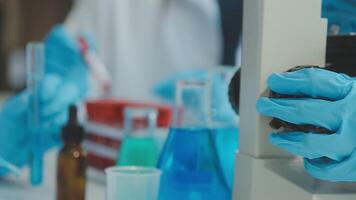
x=139, y=146
x=132, y=183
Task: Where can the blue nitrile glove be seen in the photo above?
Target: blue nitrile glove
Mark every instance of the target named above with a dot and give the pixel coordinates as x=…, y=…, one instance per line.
x=65, y=82
x=13, y=140
x=337, y=113
x=15, y=134
x=331, y=170
x=341, y=13
x=15, y=137
x=70, y=82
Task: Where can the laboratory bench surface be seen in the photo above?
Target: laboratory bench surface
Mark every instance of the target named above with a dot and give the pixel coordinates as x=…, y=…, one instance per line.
x=13, y=188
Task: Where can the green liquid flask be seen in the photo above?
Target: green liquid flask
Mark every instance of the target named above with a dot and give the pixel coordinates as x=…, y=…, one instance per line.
x=139, y=147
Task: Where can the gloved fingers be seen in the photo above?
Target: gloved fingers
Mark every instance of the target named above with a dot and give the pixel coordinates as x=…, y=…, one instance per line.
x=62, y=52
x=50, y=137
x=49, y=87
x=308, y=145
x=57, y=119
x=52, y=128
x=320, y=169
x=67, y=94
x=331, y=170
x=311, y=82
x=16, y=106
x=300, y=111
x=61, y=119
x=292, y=143
x=8, y=166
x=59, y=38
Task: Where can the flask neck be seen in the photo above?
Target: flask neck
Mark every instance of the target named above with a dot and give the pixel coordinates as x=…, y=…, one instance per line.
x=192, y=104
x=140, y=121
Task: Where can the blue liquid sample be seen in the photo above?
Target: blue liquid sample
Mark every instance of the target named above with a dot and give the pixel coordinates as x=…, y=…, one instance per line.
x=36, y=159
x=226, y=142
x=190, y=166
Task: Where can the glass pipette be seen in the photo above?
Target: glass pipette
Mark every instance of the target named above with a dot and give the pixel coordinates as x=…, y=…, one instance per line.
x=35, y=72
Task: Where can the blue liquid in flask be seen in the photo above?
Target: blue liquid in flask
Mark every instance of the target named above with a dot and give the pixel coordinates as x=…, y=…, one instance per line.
x=226, y=143
x=190, y=166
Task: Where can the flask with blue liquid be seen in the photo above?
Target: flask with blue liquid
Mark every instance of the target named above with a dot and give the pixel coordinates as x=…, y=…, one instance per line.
x=224, y=121
x=189, y=161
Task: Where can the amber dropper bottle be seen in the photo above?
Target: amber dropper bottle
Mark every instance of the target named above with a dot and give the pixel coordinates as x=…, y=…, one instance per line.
x=71, y=166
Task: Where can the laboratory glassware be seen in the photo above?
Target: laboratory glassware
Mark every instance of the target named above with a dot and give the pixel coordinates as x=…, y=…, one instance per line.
x=132, y=183
x=35, y=72
x=224, y=121
x=189, y=160
x=72, y=161
x=139, y=147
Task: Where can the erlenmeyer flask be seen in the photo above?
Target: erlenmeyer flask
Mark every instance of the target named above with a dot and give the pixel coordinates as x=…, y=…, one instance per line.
x=189, y=160
x=224, y=121
x=139, y=146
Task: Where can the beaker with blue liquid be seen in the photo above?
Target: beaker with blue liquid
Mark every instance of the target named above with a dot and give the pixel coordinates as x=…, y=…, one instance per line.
x=189, y=161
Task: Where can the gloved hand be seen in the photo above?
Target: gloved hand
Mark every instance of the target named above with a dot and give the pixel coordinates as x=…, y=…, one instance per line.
x=65, y=82
x=341, y=13
x=331, y=170
x=331, y=105
x=15, y=135
x=66, y=71
x=14, y=147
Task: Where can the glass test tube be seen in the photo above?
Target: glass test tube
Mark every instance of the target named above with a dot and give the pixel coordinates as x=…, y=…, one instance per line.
x=35, y=73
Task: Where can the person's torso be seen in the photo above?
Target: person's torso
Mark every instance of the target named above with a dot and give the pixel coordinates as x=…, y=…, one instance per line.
x=142, y=42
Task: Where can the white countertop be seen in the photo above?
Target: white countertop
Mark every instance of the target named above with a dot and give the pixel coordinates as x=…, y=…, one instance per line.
x=19, y=188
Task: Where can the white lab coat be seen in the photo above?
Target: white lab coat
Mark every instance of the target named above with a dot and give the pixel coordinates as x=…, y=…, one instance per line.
x=144, y=41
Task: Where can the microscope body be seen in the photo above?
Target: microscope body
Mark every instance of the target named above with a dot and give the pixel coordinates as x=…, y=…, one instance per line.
x=277, y=35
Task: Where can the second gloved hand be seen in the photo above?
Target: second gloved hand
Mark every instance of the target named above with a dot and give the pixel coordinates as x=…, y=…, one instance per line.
x=330, y=103
x=67, y=76
x=15, y=136
x=65, y=83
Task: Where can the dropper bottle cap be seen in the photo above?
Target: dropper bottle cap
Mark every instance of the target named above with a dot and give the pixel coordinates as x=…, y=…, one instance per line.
x=73, y=131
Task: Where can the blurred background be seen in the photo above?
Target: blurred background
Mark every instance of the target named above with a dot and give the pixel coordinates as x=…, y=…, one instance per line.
x=22, y=21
